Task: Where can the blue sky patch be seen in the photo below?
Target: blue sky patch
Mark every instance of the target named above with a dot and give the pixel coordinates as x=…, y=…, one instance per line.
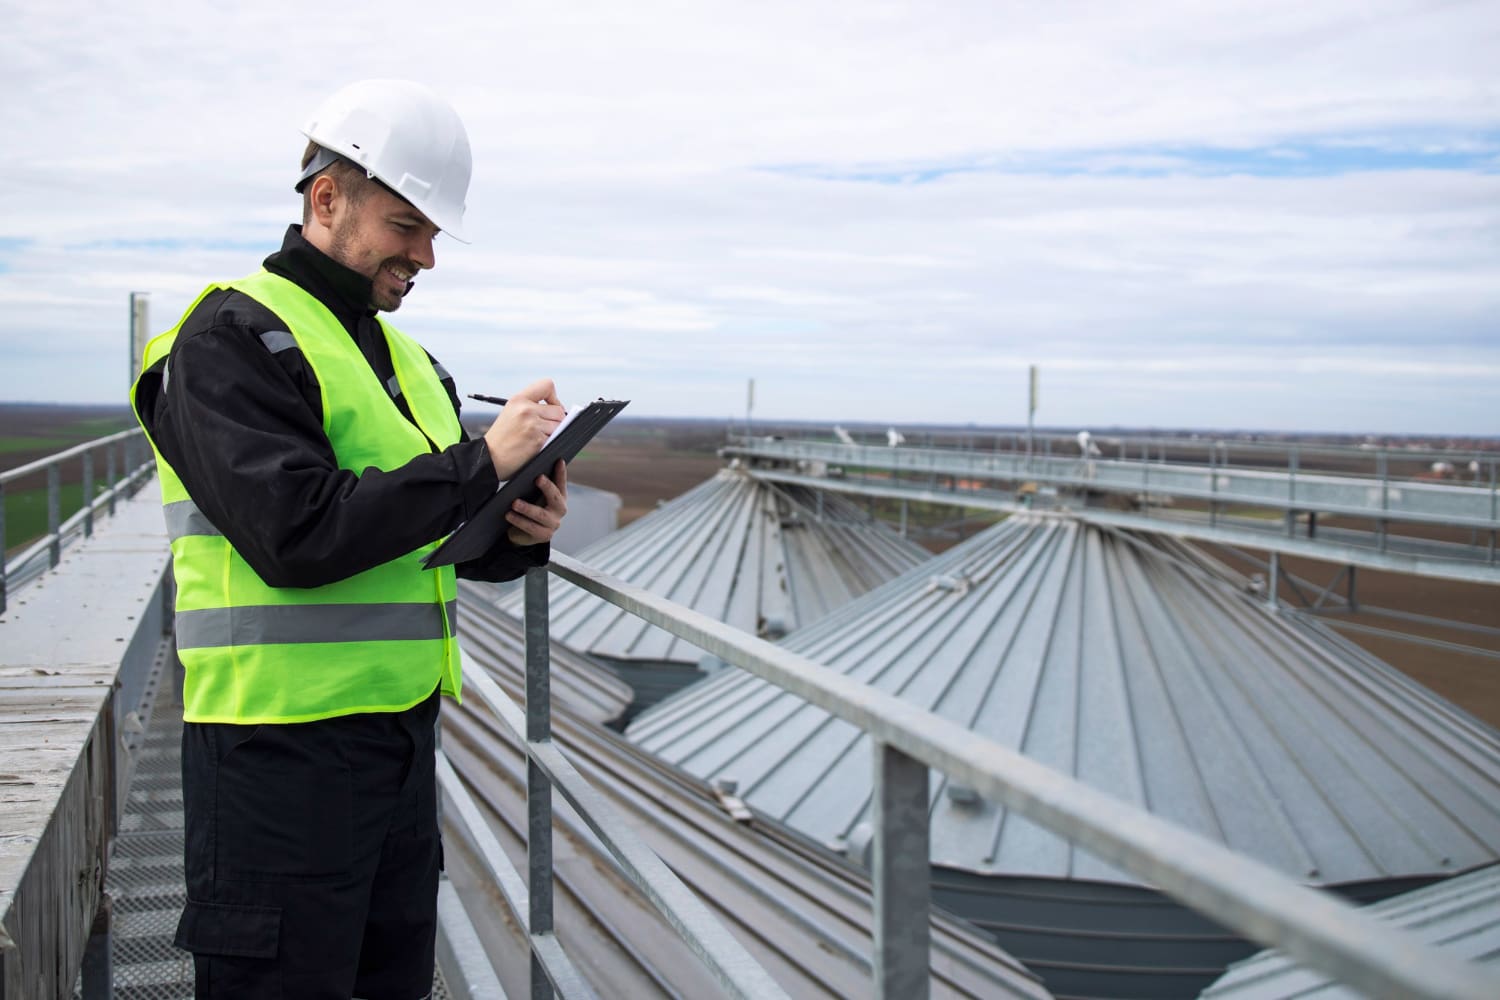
x=170, y=244
x=1320, y=157
x=9, y=247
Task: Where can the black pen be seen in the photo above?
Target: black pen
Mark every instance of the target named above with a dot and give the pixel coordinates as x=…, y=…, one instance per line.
x=498, y=401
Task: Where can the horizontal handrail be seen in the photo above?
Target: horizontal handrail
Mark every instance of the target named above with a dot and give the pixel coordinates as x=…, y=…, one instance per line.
x=563, y=975
x=41, y=464
x=1258, y=901
x=1152, y=444
x=26, y=565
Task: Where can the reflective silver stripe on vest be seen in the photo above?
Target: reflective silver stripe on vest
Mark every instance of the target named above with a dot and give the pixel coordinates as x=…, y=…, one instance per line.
x=184, y=518
x=393, y=386
x=300, y=623
x=442, y=373
x=277, y=341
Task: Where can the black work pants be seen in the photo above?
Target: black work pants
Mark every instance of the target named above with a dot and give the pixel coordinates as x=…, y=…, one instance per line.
x=312, y=857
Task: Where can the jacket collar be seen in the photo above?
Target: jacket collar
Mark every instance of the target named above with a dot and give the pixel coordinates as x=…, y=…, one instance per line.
x=345, y=292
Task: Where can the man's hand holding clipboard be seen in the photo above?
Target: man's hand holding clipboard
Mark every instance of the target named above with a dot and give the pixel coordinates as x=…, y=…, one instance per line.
x=525, y=423
x=531, y=500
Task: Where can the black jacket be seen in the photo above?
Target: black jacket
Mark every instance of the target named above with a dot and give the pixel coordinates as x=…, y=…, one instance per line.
x=243, y=427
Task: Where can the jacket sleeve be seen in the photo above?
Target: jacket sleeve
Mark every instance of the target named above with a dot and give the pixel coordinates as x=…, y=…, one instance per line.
x=236, y=426
x=504, y=561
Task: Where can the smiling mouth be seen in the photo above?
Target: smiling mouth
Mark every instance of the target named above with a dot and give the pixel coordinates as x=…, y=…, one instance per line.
x=400, y=273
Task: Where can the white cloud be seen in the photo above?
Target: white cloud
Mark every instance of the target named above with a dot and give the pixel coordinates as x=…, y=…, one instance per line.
x=634, y=232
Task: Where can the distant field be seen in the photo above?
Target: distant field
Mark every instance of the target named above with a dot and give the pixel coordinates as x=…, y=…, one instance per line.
x=30, y=432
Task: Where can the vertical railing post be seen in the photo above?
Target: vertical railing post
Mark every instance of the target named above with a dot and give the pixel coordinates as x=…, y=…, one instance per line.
x=1274, y=584
x=1213, y=484
x=109, y=476
x=538, y=788
x=54, y=515
x=1291, y=493
x=2, y=548
x=902, y=873
x=88, y=494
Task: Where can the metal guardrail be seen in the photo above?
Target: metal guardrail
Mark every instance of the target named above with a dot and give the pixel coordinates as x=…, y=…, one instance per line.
x=1257, y=901
x=135, y=464
x=1380, y=497
x=530, y=902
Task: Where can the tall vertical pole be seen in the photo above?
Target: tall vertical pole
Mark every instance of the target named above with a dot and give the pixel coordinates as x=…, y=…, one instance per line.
x=749, y=405
x=1031, y=414
x=140, y=332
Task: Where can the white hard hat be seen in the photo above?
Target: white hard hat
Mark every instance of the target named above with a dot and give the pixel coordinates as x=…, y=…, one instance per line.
x=404, y=135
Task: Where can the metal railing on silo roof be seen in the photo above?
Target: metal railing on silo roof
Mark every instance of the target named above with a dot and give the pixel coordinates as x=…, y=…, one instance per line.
x=128, y=448
x=1244, y=894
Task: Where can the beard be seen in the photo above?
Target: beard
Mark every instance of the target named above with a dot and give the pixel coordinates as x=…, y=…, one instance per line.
x=341, y=248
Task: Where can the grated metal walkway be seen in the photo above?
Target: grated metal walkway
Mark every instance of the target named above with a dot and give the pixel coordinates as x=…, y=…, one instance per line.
x=145, y=864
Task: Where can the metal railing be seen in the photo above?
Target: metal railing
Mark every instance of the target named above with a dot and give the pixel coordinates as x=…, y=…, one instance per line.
x=127, y=463
x=1378, y=494
x=1257, y=901
x=530, y=901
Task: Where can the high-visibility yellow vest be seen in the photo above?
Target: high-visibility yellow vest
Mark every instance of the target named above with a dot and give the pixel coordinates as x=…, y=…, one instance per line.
x=379, y=641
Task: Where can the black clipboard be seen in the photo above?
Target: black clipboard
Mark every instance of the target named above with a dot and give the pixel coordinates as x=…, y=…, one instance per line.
x=479, y=533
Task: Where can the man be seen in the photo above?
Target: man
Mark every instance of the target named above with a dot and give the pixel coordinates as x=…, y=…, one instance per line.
x=310, y=457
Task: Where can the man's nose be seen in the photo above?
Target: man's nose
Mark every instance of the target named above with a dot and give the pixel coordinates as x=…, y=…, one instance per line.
x=421, y=252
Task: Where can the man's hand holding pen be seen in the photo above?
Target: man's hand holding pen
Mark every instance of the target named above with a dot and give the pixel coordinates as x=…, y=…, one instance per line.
x=523, y=426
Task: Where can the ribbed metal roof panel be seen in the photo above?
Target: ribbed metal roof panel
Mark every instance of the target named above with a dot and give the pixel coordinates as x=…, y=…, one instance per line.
x=1460, y=914
x=589, y=688
x=1141, y=673
x=804, y=915
x=764, y=558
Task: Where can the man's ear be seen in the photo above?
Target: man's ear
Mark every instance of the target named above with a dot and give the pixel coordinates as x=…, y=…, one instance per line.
x=325, y=195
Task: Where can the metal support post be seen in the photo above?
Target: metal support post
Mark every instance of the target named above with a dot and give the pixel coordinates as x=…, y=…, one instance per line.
x=1213, y=484
x=2, y=548
x=54, y=515
x=538, y=788
x=903, y=518
x=109, y=476
x=902, y=873
x=1353, y=597
x=98, y=972
x=1291, y=493
x=88, y=494
x=1273, y=580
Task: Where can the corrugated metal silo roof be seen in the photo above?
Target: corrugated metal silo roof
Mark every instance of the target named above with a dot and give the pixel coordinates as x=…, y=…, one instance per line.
x=805, y=916
x=1141, y=674
x=1460, y=915
x=498, y=639
x=764, y=558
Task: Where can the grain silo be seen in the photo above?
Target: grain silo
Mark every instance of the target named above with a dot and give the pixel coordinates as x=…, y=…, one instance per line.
x=1111, y=658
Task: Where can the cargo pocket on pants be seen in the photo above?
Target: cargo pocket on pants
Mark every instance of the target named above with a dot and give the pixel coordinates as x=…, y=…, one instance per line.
x=234, y=947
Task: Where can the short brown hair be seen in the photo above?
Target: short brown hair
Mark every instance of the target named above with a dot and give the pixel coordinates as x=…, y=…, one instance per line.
x=353, y=181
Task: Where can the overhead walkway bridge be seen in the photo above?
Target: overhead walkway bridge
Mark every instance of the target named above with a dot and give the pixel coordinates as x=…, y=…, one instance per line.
x=1375, y=508
x=87, y=710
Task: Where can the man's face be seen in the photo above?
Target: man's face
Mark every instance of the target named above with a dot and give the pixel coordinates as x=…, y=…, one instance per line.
x=386, y=240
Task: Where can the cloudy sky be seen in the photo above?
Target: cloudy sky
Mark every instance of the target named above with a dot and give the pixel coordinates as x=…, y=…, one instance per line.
x=1279, y=215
